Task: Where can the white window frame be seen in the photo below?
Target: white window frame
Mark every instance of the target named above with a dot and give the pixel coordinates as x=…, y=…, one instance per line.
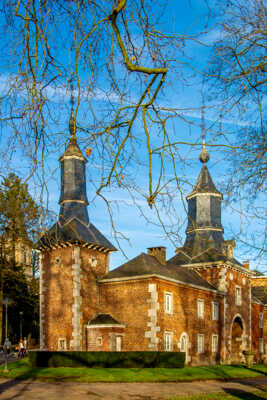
x=200, y=308
x=118, y=342
x=99, y=341
x=261, y=345
x=60, y=347
x=214, y=343
x=238, y=295
x=168, y=302
x=200, y=343
x=168, y=341
x=261, y=320
x=215, y=311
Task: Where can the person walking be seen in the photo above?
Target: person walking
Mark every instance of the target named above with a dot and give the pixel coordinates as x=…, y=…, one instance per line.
x=7, y=346
x=21, y=348
x=25, y=343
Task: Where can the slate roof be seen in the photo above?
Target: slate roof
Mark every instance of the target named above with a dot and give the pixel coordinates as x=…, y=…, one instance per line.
x=260, y=293
x=103, y=319
x=145, y=264
x=211, y=254
x=204, y=183
x=74, y=231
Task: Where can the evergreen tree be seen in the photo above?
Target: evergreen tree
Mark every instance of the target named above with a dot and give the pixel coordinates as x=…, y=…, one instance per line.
x=19, y=216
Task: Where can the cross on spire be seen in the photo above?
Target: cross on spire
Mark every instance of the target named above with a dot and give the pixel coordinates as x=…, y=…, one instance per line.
x=204, y=155
x=72, y=121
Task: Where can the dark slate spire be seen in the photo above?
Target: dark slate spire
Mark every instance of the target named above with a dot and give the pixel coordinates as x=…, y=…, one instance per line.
x=73, y=225
x=204, y=229
x=73, y=198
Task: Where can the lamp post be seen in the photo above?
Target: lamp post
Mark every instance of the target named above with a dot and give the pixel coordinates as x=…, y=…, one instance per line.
x=20, y=324
x=6, y=302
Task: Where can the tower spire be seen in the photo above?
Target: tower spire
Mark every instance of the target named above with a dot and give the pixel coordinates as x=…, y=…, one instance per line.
x=72, y=121
x=204, y=155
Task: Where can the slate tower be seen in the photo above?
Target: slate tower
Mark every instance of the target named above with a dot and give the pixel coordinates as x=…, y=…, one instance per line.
x=74, y=255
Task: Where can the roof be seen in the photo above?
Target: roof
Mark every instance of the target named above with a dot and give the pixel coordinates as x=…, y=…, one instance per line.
x=103, y=319
x=204, y=183
x=73, y=150
x=184, y=256
x=260, y=292
x=145, y=264
x=74, y=231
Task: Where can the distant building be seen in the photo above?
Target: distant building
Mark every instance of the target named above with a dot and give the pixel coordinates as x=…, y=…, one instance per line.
x=20, y=250
x=202, y=301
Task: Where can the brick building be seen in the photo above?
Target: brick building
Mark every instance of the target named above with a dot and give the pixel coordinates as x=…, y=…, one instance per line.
x=202, y=301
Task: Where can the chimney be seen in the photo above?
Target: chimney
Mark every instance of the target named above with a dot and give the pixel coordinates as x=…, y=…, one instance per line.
x=158, y=252
x=228, y=248
x=246, y=264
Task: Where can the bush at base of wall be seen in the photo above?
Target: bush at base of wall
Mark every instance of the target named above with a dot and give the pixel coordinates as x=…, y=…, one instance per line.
x=130, y=359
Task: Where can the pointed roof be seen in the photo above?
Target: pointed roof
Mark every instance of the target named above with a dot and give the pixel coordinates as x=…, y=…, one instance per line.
x=204, y=184
x=74, y=232
x=147, y=265
x=73, y=150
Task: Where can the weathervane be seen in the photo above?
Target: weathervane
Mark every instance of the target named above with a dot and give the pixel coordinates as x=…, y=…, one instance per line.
x=204, y=155
x=72, y=121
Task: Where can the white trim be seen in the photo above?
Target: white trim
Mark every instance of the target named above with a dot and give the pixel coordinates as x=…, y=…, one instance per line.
x=195, y=194
x=204, y=229
x=238, y=298
x=200, y=308
x=215, y=315
x=104, y=326
x=170, y=303
x=76, y=341
x=168, y=344
x=41, y=301
x=202, y=350
x=137, y=277
x=213, y=349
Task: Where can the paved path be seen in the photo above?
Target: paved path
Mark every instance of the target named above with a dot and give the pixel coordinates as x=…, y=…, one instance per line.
x=17, y=390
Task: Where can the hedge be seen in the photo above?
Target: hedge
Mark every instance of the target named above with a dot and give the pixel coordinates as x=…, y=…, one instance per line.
x=102, y=359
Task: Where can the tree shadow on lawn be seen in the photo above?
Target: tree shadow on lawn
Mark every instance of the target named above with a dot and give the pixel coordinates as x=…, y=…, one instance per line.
x=243, y=395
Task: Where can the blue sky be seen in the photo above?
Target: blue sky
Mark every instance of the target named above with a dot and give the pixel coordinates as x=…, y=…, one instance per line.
x=186, y=17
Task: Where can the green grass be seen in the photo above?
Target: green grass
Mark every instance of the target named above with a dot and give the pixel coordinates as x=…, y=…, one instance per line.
x=22, y=370
x=234, y=395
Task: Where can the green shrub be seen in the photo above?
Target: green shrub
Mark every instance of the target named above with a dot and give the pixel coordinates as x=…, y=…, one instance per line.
x=102, y=359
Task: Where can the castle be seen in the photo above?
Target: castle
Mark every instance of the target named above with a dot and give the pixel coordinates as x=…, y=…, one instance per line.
x=202, y=301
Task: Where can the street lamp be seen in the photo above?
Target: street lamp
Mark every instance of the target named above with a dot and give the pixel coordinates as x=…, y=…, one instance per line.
x=6, y=302
x=20, y=324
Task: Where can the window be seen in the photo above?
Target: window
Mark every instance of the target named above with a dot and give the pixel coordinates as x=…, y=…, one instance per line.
x=118, y=343
x=200, y=308
x=215, y=311
x=238, y=299
x=99, y=341
x=168, y=303
x=200, y=343
x=168, y=341
x=214, y=343
x=62, y=344
x=261, y=343
x=261, y=320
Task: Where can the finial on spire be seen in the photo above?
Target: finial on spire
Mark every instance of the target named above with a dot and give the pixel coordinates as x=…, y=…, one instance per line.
x=204, y=155
x=72, y=121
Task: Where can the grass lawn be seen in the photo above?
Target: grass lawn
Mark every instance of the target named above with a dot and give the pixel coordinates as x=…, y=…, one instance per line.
x=237, y=395
x=22, y=370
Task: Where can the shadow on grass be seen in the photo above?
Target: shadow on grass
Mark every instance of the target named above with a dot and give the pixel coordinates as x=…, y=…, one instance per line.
x=243, y=395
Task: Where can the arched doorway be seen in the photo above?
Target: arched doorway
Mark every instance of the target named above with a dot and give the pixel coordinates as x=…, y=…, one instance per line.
x=237, y=339
x=184, y=342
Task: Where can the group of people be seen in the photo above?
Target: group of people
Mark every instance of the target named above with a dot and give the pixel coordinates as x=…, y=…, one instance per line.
x=22, y=348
